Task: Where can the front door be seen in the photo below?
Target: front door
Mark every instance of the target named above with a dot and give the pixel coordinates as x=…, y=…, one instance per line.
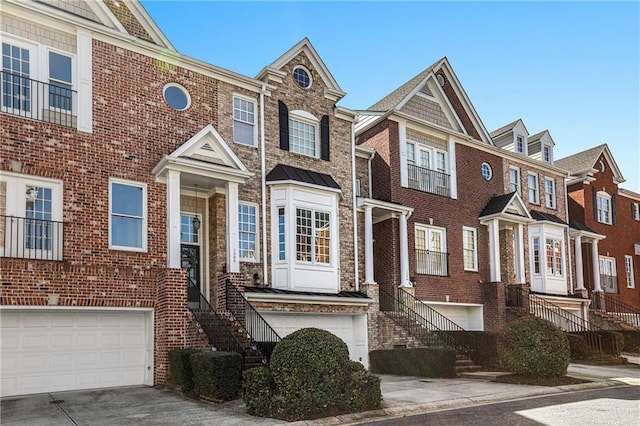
x=190, y=253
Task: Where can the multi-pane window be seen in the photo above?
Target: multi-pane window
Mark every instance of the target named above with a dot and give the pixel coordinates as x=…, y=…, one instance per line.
x=635, y=211
x=244, y=121
x=313, y=236
x=430, y=250
x=128, y=216
x=16, y=85
x=608, y=274
x=38, y=212
x=188, y=232
x=520, y=144
x=281, y=235
x=628, y=267
x=427, y=169
x=60, y=82
x=546, y=153
x=411, y=153
x=469, y=249
x=532, y=183
x=536, y=255
x=550, y=192
x=247, y=231
x=554, y=256
x=514, y=180
x=603, y=208
x=302, y=137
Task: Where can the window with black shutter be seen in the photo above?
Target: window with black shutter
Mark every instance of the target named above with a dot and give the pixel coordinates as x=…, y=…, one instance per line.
x=324, y=137
x=283, y=114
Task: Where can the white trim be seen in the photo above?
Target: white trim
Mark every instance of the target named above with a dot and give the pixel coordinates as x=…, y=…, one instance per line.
x=305, y=184
x=306, y=299
x=474, y=231
x=536, y=199
x=629, y=278
x=472, y=305
x=254, y=139
x=402, y=146
x=304, y=117
x=554, y=202
x=256, y=258
x=184, y=92
x=145, y=214
x=519, y=182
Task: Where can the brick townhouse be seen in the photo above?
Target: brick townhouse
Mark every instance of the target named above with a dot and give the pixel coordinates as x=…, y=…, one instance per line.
x=136, y=183
x=605, y=229
x=447, y=217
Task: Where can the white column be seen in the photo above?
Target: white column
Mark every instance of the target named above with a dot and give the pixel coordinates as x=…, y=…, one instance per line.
x=519, y=253
x=368, y=245
x=596, y=266
x=233, y=264
x=494, y=250
x=404, y=252
x=579, y=272
x=173, y=219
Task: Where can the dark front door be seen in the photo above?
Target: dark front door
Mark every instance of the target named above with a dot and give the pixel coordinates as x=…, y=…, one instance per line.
x=191, y=262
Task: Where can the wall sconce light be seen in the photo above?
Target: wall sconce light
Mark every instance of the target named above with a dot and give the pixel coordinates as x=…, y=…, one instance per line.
x=256, y=279
x=196, y=220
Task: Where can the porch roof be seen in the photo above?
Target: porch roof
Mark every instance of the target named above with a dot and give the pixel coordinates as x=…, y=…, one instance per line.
x=283, y=172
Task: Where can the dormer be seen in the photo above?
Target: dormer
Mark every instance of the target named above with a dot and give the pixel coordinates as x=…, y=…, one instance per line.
x=513, y=137
x=541, y=147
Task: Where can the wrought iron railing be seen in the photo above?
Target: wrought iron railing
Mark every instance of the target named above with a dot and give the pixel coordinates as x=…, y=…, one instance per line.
x=426, y=324
x=27, y=238
x=217, y=328
x=516, y=296
x=50, y=102
x=609, y=283
x=430, y=262
x=258, y=329
x=428, y=180
x=620, y=310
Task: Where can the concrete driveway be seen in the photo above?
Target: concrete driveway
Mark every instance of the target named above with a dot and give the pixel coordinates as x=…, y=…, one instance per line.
x=121, y=406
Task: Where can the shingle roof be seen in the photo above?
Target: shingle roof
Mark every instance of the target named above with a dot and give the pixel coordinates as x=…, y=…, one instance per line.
x=537, y=136
x=284, y=172
x=497, y=204
x=579, y=226
x=394, y=98
x=269, y=290
x=504, y=129
x=582, y=160
x=538, y=215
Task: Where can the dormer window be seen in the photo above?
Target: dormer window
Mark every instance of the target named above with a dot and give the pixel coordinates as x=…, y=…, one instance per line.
x=520, y=144
x=546, y=153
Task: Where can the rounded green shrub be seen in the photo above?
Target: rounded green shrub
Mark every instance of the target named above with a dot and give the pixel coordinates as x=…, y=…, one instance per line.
x=307, y=367
x=534, y=347
x=578, y=347
x=360, y=390
x=259, y=392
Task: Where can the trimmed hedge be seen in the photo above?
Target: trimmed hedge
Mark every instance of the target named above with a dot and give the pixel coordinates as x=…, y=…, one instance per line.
x=217, y=374
x=422, y=362
x=484, y=343
x=534, y=347
x=631, y=340
x=310, y=376
x=578, y=347
x=180, y=371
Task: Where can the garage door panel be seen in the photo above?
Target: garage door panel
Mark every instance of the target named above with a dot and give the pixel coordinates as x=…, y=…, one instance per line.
x=56, y=351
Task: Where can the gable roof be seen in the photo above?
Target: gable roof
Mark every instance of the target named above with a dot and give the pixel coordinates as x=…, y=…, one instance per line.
x=305, y=46
x=282, y=172
x=394, y=98
x=537, y=136
x=506, y=206
x=584, y=162
x=505, y=129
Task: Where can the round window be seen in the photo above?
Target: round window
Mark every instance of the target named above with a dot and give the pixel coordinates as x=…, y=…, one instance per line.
x=302, y=77
x=487, y=173
x=177, y=97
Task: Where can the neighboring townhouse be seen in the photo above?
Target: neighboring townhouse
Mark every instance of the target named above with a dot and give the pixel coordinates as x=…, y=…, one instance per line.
x=541, y=242
x=605, y=230
x=141, y=188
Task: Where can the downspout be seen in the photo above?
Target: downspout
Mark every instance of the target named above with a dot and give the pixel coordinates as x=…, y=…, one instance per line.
x=566, y=218
x=263, y=189
x=355, y=210
x=369, y=171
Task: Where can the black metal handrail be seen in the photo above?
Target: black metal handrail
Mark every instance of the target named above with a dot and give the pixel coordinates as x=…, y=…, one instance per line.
x=430, y=262
x=216, y=327
x=609, y=283
x=28, y=98
x=425, y=323
x=258, y=329
x=27, y=238
x=427, y=180
x=620, y=310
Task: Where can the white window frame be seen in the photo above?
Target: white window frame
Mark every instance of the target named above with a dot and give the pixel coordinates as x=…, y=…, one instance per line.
x=314, y=249
x=635, y=211
x=307, y=119
x=535, y=190
x=519, y=140
x=72, y=57
x=546, y=149
x=536, y=256
x=281, y=237
x=517, y=184
x=145, y=215
x=601, y=198
x=557, y=259
x=474, y=249
x=628, y=268
x=253, y=124
x=429, y=230
x=256, y=251
x=35, y=73
x=550, y=195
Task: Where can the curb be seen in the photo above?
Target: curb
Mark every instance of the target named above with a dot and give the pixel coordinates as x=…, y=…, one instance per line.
x=407, y=410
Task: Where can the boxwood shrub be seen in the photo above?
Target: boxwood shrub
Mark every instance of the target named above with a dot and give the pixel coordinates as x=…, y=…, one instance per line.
x=578, y=347
x=180, y=372
x=422, y=362
x=217, y=374
x=259, y=392
x=534, y=347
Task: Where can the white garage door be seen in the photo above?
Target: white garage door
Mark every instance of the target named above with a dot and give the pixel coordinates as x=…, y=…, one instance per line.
x=57, y=350
x=350, y=328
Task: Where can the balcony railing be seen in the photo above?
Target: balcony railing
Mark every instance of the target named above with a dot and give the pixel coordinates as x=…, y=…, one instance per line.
x=609, y=283
x=28, y=98
x=432, y=263
x=27, y=238
x=428, y=180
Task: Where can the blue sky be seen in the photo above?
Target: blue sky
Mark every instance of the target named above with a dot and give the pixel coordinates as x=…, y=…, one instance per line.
x=570, y=67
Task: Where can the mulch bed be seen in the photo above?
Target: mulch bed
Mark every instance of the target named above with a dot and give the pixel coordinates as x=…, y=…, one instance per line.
x=517, y=379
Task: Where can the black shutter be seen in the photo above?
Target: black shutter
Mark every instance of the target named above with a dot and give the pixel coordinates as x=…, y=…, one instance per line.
x=613, y=209
x=324, y=137
x=595, y=204
x=283, y=113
